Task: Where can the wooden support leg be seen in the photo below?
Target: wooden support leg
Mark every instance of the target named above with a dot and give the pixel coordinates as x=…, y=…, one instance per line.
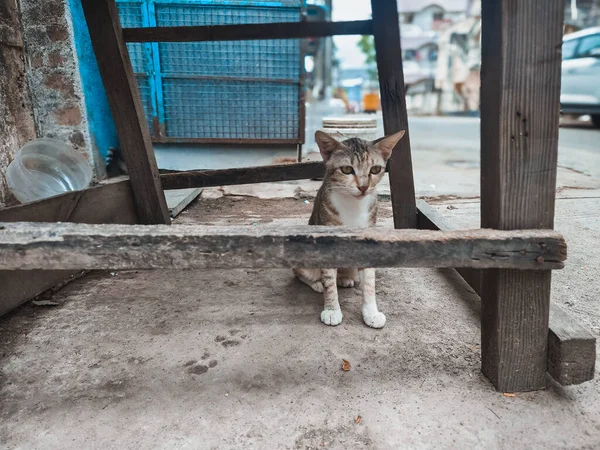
x=386, y=31
x=124, y=99
x=571, y=347
x=520, y=90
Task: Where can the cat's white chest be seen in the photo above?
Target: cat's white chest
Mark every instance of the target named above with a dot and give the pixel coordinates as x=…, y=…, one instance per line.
x=353, y=212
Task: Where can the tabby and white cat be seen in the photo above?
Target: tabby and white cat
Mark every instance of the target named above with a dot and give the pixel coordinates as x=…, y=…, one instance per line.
x=348, y=198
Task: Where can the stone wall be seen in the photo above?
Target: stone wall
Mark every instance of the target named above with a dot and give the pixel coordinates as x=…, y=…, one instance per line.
x=53, y=73
x=16, y=114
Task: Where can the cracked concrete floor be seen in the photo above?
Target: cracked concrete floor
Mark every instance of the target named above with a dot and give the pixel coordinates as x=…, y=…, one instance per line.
x=239, y=359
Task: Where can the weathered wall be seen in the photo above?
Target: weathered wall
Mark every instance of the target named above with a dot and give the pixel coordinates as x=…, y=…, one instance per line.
x=16, y=117
x=53, y=74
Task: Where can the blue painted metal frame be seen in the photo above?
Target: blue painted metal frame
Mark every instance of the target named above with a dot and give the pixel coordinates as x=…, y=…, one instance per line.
x=154, y=100
x=158, y=110
x=101, y=127
x=263, y=3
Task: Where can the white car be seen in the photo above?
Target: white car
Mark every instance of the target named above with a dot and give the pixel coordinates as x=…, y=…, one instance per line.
x=580, y=91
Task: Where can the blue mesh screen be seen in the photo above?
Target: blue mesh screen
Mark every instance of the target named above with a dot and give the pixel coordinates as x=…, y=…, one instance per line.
x=146, y=96
x=130, y=14
x=256, y=59
x=226, y=109
x=218, y=90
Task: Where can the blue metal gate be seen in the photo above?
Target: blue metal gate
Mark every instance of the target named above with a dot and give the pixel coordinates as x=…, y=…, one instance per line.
x=231, y=91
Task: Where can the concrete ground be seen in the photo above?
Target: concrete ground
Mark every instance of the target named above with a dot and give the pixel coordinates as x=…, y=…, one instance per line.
x=239, y=358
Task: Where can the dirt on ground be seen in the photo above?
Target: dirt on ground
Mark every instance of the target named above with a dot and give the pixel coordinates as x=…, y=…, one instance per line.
x=239, y=359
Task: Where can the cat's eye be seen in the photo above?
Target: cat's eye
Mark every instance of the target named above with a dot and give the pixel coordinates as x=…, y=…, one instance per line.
x=376, y=169
x=347, y=170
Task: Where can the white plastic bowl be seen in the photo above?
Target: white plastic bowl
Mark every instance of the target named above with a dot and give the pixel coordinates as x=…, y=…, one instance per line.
x=46, y=167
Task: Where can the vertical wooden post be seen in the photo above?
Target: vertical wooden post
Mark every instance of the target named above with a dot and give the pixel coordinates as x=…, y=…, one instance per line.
x=520, y=103
x=124, y=99
x=386, y=30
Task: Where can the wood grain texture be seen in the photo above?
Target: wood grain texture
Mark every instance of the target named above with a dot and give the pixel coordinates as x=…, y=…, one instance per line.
x=429, y=219
x=178, y=200
x=108, y=203
x=520, y=105
x=246, y=32
x=27, y=245
x=246, y=175
x=571, y=347
x=124, y=99
x=386, y=32
x=515, y=308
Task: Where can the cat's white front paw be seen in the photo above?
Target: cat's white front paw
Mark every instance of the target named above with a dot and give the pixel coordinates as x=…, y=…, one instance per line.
x=374, y=320
x=332, y=317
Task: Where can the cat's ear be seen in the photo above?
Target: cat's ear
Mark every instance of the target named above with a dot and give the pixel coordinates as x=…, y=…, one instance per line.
x=327, y=144
x=387, y=144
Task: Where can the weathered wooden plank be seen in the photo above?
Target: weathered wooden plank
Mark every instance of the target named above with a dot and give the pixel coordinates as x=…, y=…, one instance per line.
x=520, y=105
x=55, y=207
x=29, y=245
x=107, y=203
x=429, y=219
x=386, y=32
x=246, y=175
x=124, y=99
x=245, y=32
x=571, y=347
x=110, y=202
x=178, y=200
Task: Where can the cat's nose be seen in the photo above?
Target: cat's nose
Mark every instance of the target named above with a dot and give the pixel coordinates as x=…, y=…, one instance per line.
x=363, y=189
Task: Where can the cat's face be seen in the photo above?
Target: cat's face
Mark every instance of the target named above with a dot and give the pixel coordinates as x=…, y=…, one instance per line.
x=355, y=166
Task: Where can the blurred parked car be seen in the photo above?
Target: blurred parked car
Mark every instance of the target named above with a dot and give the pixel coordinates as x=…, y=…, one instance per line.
x=580, y=92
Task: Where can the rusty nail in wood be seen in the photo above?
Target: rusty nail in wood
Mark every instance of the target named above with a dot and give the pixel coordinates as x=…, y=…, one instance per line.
x=540, y=259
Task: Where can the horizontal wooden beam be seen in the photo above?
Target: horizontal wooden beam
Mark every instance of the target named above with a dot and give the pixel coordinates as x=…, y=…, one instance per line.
x=571, y=347
x=246, y=175
x=28, y=245
x=246, y=32
x=55, y=209
x=227, y=141
x=172, y=180
x=106, y=203
x=429, y=219
x=110, y=202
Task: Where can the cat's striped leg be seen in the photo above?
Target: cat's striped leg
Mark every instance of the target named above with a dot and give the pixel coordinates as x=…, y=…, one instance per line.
x=332, y=313
x=371, y=314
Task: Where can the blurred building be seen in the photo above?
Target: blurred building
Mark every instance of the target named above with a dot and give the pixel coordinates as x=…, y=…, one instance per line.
x=431, y=15
x=458, y=68
x=581, y=14
x=440, y=46
x=318, y=53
